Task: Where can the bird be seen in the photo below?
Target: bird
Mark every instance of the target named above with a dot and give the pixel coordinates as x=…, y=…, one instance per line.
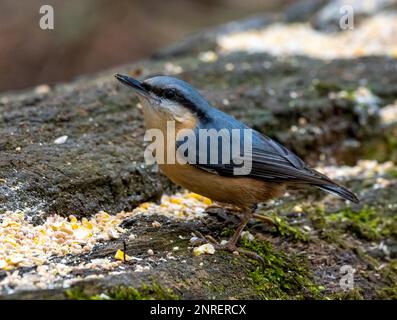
x=273, y=168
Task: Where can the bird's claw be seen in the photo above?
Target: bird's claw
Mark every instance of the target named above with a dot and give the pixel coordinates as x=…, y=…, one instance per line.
x=265, y=219
x=228, y=246
x=233, y=248
x=202, y=239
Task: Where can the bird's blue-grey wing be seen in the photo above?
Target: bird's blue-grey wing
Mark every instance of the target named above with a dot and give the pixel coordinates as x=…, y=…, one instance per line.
x=267, y=159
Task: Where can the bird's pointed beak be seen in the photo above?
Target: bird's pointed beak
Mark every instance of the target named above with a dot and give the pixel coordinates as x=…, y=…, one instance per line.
x=134, y=84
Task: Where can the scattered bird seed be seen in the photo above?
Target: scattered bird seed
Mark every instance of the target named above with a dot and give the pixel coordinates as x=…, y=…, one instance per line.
x=61, y=140
x=367, y=39
x=156, y=224
x=23, y=244
x=205, y=248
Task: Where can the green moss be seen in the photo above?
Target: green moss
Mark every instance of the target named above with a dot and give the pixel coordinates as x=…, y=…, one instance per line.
x=212, y=287
x=354, y=294
x=145, y=292
x=389, y=274
x=324, y=88
x=77, y=294
x=392, y=172
x=282, y=226
x=286, y=230
x=227, y=232
x=334, y=236
x=283, y=277
x=391, y=141
x=317, y=217
x=387, y=293
x=367, y=223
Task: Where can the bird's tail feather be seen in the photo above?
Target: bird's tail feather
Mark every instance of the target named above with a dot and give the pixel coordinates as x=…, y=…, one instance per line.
x=340, y=191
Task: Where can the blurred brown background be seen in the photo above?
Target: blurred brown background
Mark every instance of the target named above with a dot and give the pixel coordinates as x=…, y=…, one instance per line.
x=91, y=35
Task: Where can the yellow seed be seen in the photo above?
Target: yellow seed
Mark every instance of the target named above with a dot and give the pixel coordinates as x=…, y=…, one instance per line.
x=88, y=225
x=198, y=197
x=72, y=219
x=7, y=267
x=66, y=228
x=195, y=195
x=120, y=255
x=176, y=200
x=145, y=205
x=179, y=214
x=103, y=216
x=11, y=241
x=11, y=224
x=205, y=248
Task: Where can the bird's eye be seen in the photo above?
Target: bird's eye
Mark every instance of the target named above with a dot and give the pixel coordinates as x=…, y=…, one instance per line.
x=169, y=94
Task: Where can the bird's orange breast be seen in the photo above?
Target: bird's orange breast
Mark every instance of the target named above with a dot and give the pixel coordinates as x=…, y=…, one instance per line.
x=240, y=191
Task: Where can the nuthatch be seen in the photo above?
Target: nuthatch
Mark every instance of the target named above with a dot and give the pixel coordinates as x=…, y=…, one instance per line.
x=274, y=168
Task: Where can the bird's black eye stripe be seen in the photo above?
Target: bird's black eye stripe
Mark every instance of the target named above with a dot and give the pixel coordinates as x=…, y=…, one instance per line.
x=173, y=94
x=169, y=93
x=146, y=86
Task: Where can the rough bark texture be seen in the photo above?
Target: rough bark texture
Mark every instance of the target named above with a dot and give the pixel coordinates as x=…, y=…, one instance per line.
x=100, y=167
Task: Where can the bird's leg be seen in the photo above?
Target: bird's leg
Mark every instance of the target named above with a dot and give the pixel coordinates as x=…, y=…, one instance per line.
x=231, y=245
x=234, y=238
x=261, y=217
x=201, y=239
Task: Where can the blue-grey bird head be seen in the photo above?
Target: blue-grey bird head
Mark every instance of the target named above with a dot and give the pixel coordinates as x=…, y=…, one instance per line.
x=168, y=94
